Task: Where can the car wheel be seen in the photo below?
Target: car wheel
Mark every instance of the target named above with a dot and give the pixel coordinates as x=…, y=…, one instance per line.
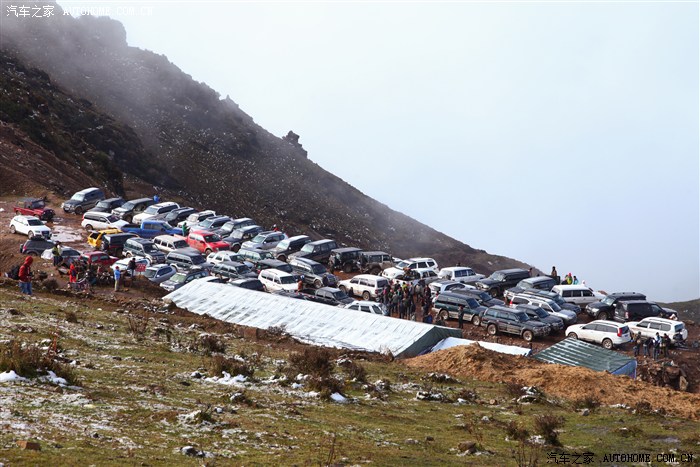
x=12, y=229
x=476, y=320
x=30, y=234
x=128, y=254
x=603, y=315
x=282, y=258
x=444, y=315
x=365, y=296
x=493, y=293
x=607, y=344
x=318, y=284
x=492, y=329
x=527, y=335
x=236, y=248
x=88, y=227
x=78, y=210
x=572, y=335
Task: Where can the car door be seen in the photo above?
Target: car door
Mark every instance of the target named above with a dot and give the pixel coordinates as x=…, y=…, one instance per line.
x=588, y=332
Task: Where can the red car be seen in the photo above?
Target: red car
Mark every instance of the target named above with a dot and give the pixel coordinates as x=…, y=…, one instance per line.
x=34, y=207
x=98, y=257
x=206, y=241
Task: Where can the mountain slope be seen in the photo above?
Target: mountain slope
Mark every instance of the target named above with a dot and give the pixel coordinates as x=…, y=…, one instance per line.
x=208, y=150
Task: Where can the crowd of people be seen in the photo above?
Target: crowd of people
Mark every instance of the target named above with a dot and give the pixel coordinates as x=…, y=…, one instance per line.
x=652, y=346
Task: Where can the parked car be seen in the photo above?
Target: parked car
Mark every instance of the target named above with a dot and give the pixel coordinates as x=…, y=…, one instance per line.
x=226, y=255
x=264, y=240
x=94, y=238
x=94, y=220
x=179, y=279
x=484, y=298
x=206, y=241
x=275, y=264
x=274, y=279
x=414, y=276
x=168, y=243
x=238, y=236
x=648, y=327
x=605, y=308
x=232, y=270
x=410, y=264
x=569, y=317
x=30, y=226
x=460, y=274
x=510, y=321
x=34, y=207
x=578, y=295
x=539, y=314
x=374, y=262
x=154, y=210
x=250, y=284
x=328, y=296
x=634, y=310
x=151, y=229
x=83, y=200
x=107, y=205
x=68, y=255
x=196, y=218
x=313, y=273
x=113, y=244
x=537, y=283
x=211, y=223
x=345, y=259
x=187, y=258
x=35, y=246
x=289, y=245
x=319, y=250
x=501, y=280
x=543, y=294
x=128, y=210
x=141, y=265
x=158, y=273
x=234, y=224
x=447, y=306
x=365, y=285
x=445, y=285
x=142, y=247
x=175, y=216
x=99, y=258
x=368, y=307
x=607, y=333
x=254, y=256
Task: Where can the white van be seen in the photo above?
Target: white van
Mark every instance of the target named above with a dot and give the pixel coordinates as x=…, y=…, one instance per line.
x=577, y=294
x=274, y=280
x=365, y=285
x=460, y=274
x=168, y=243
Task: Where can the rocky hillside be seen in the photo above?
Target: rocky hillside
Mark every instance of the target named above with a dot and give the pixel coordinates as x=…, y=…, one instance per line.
x=115, y=109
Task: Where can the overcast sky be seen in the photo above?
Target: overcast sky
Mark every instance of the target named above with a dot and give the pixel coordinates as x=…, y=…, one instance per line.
x=556, y=133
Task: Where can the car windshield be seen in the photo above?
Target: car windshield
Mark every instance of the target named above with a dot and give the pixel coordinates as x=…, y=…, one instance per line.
x=150, y=272
x=128, y=206
x=540, y=312
x=242, y=269
x=308, y=248
x=340, y=295
x=198, y=259
x=287, y=280
x=179, y=244
x=34, y=222
x=153, y=209
x=37, y=204
x=150, y=248
x=318, y=269
x=112, y=218
x=283, y=245
x=212, y=238
x=496, y=276
x=522, y=317
x=472, y=303
x=265, y=255
x=609, y=300
x=179, y=277
x=78, y=197
x=554, y=306
x=485, y=296
x=404, y=264
x=259, y=238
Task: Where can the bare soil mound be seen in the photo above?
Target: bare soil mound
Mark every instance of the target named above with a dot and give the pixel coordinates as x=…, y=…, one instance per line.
x=571, y=383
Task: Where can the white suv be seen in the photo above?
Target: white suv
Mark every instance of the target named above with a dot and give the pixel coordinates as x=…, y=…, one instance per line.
x=460, y=274
x=577, y=294
x=29, y=226
x=93, y=220
x=411, y=263
x=365, y=285
x=274, y=280
x=676, y=330
x=608, y=333
x=368, y=307
x=154, y=210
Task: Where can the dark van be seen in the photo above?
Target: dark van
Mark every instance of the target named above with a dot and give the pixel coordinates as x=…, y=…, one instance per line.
x=113, y=244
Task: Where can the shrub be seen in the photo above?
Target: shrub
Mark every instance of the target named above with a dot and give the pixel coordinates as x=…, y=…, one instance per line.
x=516, y=431
x=219, y=363
x=23, y=360
x=137, y=326
x=547, y=425
x=355, y=371
x=313, y=361
x=50, y=284
x=326, y=386
x=210, y=343
x=589, y=402
x=71, y=316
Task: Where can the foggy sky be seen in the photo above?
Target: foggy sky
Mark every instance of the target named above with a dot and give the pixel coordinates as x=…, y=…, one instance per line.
x=559, y=134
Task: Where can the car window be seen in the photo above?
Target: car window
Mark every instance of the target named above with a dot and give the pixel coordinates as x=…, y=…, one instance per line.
x=643, y=325
x=587, y=293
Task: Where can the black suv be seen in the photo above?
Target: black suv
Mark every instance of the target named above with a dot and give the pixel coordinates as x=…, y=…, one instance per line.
x=273, y=264
x=501, y=280
x=320, y=250
x=113, y=244
x=175, y=216
x=128, y=210
x=106, y=205
x=605, y=309
x=511, y=321
x=289, y=245
x=241, y=235
x=374, y=262
x=35, y=246
x=447, y=305
x=345, y=259
x=540, y=314
x=232, y=270
x=531, y=283
x=314, y=273
x=483, y=298
x=635, y=310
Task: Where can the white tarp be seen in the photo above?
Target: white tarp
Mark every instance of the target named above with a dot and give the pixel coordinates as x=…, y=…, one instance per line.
x=453, y=342
x=308, y=321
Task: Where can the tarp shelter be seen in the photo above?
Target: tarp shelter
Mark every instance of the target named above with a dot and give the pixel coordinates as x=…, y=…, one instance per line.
x=308, y=321
x=501, y=348
x=574, y=352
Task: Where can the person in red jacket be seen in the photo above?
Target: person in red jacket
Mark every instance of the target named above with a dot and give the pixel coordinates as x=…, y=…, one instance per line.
x=25, y=276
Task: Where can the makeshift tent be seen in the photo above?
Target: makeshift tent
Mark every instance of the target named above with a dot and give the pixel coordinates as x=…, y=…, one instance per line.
x=501, y=348
x=574, y=352
x=308, y=321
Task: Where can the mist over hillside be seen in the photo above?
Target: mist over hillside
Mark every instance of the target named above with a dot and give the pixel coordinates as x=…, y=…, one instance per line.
x=184, y=137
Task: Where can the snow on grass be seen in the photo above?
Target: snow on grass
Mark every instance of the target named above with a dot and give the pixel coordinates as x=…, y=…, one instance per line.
x=11, y=376
x=227, y=379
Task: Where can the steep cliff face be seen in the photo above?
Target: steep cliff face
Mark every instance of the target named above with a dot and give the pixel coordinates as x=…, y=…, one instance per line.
x=181, y=135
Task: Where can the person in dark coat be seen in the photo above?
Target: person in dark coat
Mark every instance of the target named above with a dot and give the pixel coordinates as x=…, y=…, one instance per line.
x=25, y=276
x=461, y=317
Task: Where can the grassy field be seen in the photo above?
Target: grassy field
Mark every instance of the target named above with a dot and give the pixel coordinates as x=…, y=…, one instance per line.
x=147, y=384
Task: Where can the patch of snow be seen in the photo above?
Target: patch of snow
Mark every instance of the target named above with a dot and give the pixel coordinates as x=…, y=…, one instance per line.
x=52, y=378
x=297, y=386
x=227, y=379
x=10, y=376
x=337, y=397
x=66, y=234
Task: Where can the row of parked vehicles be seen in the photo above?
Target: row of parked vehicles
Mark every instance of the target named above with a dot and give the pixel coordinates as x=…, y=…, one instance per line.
x=242, y=253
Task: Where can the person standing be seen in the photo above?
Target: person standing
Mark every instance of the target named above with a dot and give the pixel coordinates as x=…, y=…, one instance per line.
x=645, y=346
x=131, y=269
x=637, y=343
x=72, y=274
x=25, y=276
x=461, y=317
x=117, y=278
x=554, y=275
x=665, y=344
x=185, y=229
x=56, y=254
x=657, y=345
